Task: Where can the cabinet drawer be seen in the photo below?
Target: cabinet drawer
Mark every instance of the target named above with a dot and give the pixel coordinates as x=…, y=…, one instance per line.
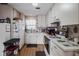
x=60, y=52
x=57, y=51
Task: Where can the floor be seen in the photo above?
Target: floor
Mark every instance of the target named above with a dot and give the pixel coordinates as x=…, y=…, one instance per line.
x=31, y=51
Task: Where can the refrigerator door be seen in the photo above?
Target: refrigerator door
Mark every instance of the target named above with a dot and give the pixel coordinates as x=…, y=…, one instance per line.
x=4, y=36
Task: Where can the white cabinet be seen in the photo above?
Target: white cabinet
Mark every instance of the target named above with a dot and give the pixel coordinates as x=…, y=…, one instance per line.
x=52, y=49
x=41, y=22
x=31, y=38
x=34, y=38
x=57, y=51
x=67, y=13
x=50, y=17
x=76, y=13
x=40, y=38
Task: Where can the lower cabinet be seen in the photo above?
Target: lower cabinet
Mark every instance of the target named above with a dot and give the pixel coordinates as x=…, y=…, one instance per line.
x=34, y=38
x=57, y=51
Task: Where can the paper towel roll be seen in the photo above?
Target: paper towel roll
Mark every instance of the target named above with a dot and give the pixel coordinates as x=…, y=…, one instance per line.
x=76, y=40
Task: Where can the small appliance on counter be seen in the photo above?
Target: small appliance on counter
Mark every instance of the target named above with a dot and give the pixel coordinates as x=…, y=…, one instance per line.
x=76, y=40
x=65, y=31
x=50, y=31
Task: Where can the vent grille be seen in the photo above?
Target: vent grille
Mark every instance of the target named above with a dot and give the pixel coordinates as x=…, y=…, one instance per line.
x=4, y=3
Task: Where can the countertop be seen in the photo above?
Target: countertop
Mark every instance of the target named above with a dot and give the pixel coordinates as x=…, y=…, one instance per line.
x=60, y=45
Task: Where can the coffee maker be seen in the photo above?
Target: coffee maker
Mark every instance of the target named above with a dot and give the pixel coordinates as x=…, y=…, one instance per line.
x=50, y=31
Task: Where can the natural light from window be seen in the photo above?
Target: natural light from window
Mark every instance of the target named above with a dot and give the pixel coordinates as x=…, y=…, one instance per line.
x=31, y=24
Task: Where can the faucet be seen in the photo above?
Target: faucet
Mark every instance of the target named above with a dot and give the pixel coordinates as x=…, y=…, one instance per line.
x=70, y=38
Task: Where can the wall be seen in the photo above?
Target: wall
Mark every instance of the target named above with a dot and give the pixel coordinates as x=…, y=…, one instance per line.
x=6, y=11
x=71, y=32
x=22, y=30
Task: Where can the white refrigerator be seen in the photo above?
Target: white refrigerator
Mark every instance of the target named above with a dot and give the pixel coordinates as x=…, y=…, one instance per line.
x=4, y=35
x=18, y=31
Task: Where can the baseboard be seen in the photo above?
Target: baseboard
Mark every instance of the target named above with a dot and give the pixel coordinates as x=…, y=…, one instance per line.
x=22, y=46
x=31, y=45
x=18, y=54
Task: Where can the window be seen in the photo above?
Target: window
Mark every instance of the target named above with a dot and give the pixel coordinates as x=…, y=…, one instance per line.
x=31, y=24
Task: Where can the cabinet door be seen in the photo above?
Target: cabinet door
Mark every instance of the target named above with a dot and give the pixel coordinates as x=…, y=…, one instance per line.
x=53, y=51
x=57, y=51
x=76, y=13
x=2, y=37
x=40, y=38
x=31, y=38
x=67, y=13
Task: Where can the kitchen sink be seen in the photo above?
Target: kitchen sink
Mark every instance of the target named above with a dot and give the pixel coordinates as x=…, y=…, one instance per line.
x=69, y=44
x=66, y=44
x=58, y=37
x=74, y=44
x=61, y=40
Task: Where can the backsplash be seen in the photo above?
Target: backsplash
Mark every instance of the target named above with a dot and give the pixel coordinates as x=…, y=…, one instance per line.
x=73, y=30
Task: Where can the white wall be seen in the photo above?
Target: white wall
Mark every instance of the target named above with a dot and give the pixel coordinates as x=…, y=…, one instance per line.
x=67, y=13
x=6, y=11
x=22, y=31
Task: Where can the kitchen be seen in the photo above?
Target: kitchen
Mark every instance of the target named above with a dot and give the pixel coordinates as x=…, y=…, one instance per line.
x=43, y=29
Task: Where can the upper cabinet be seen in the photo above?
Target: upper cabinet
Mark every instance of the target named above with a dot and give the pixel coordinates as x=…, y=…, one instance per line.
x=41, y=22
x=76, y=13
x=16, y=13
x=67, y=13
x=50, y=17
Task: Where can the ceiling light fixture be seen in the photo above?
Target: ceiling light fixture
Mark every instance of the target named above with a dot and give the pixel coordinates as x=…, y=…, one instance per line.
x=35, y=4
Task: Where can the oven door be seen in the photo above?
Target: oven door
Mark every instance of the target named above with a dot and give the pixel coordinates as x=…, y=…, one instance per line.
x=47, y=44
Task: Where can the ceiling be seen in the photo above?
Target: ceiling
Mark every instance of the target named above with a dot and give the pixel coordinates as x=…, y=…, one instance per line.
x=29, y=10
